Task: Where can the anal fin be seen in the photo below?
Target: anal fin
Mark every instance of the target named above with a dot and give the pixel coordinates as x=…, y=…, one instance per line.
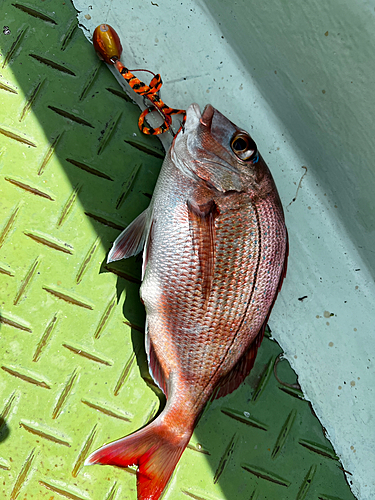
x=156, y=370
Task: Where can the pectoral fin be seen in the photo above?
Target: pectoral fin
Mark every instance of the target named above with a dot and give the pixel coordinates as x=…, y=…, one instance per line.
x=131, y=240
x=202, y=226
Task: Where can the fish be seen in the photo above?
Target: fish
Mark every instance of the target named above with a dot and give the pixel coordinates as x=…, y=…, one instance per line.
x=215, y=249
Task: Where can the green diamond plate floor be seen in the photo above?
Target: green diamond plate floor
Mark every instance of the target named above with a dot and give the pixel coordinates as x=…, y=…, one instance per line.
x=74, y=170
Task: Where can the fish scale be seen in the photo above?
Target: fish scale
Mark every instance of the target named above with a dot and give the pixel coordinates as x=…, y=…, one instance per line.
x=215, y=248
x=175, y=266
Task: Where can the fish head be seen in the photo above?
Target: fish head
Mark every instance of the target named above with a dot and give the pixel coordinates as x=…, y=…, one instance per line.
x=215, y=152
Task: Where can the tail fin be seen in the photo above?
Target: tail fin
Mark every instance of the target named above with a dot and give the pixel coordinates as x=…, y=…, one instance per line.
x=156, y=449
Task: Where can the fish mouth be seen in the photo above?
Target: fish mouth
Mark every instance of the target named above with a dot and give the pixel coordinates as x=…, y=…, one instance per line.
x=207, y=115
x=194, y=117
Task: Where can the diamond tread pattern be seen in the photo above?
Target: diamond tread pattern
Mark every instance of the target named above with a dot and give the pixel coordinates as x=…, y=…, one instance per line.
x=74, y=171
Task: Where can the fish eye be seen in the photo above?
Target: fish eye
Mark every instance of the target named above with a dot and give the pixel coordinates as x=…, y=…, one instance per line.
x=243, y=147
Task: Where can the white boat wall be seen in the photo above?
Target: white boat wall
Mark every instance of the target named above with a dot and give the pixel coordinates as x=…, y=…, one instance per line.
x=300, y=77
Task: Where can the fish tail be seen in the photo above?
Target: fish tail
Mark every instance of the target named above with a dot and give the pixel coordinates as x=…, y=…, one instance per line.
x=155, y=449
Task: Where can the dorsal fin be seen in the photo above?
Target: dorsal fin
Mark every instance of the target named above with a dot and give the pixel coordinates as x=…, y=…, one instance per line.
x=202, y=226
x=240, y=371
x=285, y=265
x=131, y=240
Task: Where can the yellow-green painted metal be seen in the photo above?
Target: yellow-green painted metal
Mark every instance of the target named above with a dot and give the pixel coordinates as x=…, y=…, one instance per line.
x=74, y=170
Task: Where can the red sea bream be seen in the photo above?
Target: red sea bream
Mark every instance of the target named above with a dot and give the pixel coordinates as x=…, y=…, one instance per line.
x=214, y=256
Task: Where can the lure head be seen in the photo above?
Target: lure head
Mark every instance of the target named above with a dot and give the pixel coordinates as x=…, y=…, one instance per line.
x=107, y=43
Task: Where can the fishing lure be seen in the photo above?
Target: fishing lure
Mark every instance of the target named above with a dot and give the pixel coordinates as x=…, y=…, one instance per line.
x=108, y=46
